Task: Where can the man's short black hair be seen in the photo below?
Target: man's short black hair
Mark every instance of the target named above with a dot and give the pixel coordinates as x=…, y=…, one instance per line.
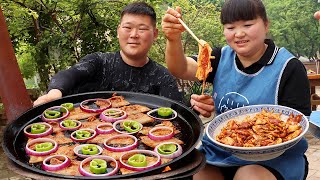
x=140, y=8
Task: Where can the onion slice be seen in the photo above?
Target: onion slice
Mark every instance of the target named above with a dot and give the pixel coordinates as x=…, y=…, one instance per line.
x=154, y=114
x=88, y=110
x=128, y=154
x=124, y=131
x=163, y=137
x=41, y=140
x=77, y=150
x=104, y=116
x=49, y=167
x=175, y=154
x=104, y=131
x=73, y=135
x=70, y=128
x=61, y=109
x=46, y=133
x=106, y=158
x=121, y=149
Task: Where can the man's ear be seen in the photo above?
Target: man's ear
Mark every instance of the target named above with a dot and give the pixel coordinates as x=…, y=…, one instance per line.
x=155, y=34
x=118, y=31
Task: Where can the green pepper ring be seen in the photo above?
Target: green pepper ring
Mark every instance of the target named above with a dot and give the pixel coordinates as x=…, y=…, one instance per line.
x=165, y=111
x=44, y=146
x=90, y=149
x=69, y=106
x=166, y=149
x=57, y=109
x=52, y=114
x=128, y=125
x=138, y=160
x=98, y=166
x=38, y=128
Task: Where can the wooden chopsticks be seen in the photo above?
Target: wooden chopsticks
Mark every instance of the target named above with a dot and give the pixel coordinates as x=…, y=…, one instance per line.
x=191, y=33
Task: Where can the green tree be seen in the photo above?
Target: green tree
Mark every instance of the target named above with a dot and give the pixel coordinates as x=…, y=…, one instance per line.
x=294, y=27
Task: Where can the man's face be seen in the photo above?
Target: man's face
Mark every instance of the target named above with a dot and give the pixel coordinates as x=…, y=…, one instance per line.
x=136, y=34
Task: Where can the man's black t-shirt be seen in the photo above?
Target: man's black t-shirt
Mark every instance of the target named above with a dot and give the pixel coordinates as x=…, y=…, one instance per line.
x=108, y=72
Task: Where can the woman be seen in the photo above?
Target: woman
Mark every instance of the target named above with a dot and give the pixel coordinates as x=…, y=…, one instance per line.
x=250, y=70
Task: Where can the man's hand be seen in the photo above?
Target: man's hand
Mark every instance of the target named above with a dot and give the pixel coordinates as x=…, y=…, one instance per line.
x=204, y=104
x=53, y=94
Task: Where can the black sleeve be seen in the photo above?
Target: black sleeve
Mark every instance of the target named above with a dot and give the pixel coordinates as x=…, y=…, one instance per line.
x=67, y=80
x=294, y=89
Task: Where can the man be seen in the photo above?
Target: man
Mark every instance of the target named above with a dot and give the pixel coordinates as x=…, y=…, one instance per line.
x=130, y=69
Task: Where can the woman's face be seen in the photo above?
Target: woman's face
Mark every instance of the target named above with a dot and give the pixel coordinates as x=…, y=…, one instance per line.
x=136, y=34
x=247, y=37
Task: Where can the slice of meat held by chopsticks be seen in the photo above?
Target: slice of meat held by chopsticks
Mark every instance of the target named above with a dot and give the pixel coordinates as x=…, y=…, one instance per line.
x=204, y=63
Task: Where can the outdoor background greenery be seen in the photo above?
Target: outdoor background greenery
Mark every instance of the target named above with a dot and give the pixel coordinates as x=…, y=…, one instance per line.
x=51, y=35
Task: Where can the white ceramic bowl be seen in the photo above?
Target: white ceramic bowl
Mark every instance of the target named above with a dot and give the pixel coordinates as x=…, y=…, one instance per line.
x=254, y=153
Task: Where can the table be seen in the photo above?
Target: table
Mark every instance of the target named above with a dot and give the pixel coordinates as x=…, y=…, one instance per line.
x=314, y=80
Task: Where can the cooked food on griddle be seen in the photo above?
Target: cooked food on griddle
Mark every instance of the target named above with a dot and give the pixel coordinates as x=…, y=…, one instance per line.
x=87, y=143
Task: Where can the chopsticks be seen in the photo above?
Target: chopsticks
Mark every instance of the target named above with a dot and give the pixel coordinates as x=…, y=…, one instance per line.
x=191, y=33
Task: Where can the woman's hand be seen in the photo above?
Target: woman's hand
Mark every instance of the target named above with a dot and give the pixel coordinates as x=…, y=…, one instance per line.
x=171, y=25
x=317, y=15
x=53, y=94
x=203, y=104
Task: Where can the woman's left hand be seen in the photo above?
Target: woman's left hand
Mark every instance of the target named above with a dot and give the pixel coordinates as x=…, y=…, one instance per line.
x=204, y=104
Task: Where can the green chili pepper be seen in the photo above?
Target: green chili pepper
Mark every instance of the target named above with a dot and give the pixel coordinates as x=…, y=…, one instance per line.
x=138, y=160
x=69, y=106
x=98, y=166
x=80, y=134
x=90, y=149
x=167, y=149
x=69, y=123
x=52, y=114
x=165, y=111
x=131, y=126
x=42, y=147
x=38, y=128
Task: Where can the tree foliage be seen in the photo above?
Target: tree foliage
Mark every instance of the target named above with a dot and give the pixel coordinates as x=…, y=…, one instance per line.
x=51, y=35
x=294, y=27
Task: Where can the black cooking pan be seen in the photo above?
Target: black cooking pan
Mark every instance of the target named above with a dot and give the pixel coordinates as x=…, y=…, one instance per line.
x=188, y=122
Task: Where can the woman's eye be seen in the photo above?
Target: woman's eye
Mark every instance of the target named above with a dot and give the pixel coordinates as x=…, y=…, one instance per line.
x=248, y=25
x=230, y=28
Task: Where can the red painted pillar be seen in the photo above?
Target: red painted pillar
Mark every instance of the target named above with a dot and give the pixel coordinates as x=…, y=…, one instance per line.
x=13, y=92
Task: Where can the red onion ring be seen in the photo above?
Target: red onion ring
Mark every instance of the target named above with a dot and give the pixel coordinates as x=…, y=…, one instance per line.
x=93, y=135
x=124, y=132
x=121, y=149
x=107, y=158
x=48, y=167
x=77, y=148
x=56, y=119
x=40, y=140
x=103, y=131
x=130, y=153
x=160, y=138
x=83, y=108
x=70, y=128
x=112, y=119
x=177, y=153
x=46, y=133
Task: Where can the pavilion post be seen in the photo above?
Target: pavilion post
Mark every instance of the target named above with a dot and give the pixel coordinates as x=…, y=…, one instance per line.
x=13, y=92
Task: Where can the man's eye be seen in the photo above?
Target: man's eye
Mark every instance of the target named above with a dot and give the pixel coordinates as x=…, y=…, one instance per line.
x=126, y=27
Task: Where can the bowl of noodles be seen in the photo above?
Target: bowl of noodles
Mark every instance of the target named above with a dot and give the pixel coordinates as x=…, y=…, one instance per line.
x=258, y=132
